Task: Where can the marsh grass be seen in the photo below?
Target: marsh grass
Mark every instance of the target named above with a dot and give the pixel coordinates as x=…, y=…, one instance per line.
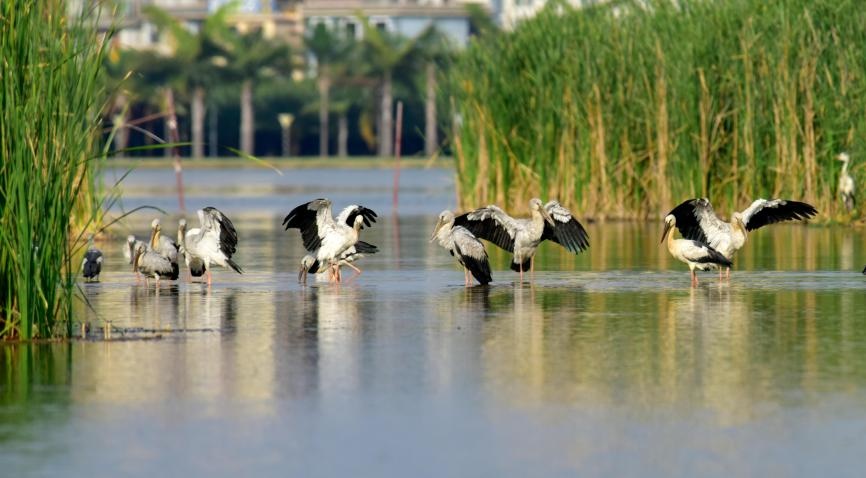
x=50, y=102
x=622, y=110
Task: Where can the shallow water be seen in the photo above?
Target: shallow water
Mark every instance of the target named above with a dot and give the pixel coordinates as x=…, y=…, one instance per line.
x=608, y=363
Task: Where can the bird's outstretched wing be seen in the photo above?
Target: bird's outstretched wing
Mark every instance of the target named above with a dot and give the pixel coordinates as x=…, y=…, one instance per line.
x=347, y=216
x=490, y=223
x=216, y=223
x=770, y=211
x=310, y=219
x=696, y=220
x=566, y=230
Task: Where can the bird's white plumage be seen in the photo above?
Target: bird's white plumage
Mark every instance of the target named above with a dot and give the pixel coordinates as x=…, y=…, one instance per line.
x=467, y=243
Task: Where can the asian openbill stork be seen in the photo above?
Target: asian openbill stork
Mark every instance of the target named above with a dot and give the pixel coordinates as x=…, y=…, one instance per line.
x=324, y=237
x=195, y=265
x=310, y=265
x=92, y=264
x=464, y=246
x=696, y=220
x=214, y=242
x=697, y=255
x=521, y=237
x=165, y=246
x=846, y=182
x=130, y=247
x=149, y=262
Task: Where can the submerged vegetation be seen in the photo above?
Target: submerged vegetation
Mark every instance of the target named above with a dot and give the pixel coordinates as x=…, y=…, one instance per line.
x=625, y=109
x=50, y=124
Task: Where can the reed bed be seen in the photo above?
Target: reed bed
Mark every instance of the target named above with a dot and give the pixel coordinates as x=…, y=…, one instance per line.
x=624, y=109
x=50, y=101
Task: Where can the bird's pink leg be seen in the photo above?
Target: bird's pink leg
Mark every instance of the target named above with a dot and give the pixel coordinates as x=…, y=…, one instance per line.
x=521, y=272
x=532, y=268
x=208, y=278
x=356, y=269
x=728, y=274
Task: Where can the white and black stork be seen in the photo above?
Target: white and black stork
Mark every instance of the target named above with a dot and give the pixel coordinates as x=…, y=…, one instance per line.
x=521, y=237
x=696, y=220
x=464, y=246
x=214, y=242
x=696, y=254
x=326, y=238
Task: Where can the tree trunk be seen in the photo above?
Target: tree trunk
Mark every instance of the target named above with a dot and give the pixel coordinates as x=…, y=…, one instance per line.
x=247, y=131
x=198, y=112
x=386, y=125
x=343, y=135
x=431, y=141
x=213, y=134
x=324, y=84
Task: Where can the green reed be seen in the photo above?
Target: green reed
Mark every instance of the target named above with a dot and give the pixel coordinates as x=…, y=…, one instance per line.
x=623, y=110
x=50, y=101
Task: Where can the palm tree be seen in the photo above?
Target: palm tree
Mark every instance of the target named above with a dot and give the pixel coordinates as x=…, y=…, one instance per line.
x=331, y=52
x=436, y=51
x=385, y=54
x=251, y=57
x=195, y=58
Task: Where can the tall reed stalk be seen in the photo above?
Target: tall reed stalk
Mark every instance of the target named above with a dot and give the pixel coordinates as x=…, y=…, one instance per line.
x=50, y=101
x=626, y=108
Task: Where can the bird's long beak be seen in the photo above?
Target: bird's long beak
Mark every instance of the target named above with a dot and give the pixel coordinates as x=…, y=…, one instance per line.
x=302, y=275
x=665, y=233
x=154, y=234
x=439, y=225
x=135, y=261
x=546, y=216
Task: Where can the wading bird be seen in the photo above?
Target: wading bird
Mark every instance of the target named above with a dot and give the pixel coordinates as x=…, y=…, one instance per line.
x=696, y=220
x=92, y=265
x=152, y=264
x=195, y=265
x=130, y=247
x=165, y=246
x=846, y=182
x=309, y=264
x=324, y=237
x=214, y=242
x=697, y=255
x=521, y=237
x=464, y=246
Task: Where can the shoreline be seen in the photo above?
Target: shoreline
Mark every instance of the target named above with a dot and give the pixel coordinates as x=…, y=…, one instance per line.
x=304, y=162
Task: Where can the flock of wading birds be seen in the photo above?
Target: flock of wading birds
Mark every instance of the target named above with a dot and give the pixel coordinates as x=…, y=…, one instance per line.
x=332, y=242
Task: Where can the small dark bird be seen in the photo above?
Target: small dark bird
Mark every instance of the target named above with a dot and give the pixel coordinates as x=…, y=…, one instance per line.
x=92, y=264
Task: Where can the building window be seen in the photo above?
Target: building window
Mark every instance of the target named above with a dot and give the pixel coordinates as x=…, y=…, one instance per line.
x=383, y=24
x=153, y=34
x=351, y=30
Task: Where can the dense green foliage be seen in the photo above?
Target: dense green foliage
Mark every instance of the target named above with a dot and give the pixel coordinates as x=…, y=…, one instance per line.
x=49, y=121
x=623, y=110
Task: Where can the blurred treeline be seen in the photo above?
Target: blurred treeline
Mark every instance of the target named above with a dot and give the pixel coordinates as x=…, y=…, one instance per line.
x=230, y=88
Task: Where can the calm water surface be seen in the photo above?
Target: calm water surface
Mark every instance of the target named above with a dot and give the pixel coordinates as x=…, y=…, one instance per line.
x=607, y=364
